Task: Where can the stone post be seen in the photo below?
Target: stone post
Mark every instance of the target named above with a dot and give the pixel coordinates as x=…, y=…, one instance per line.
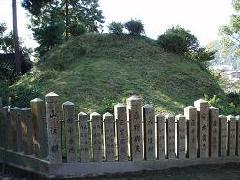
x=13, y=129
x=108, y=134
x=170, y=128
x=27, y=131
x=134, y=104
x=214, y=131
x=53, y=124
x=160, y=120
x=40, y=139
x=97, y=138
x=7, y=128
x=1, y=124
x=149, y=132
x=181, y=136
x=190, y=113
x=203, y=127
x=83, y=136
x=70, y=131
x=223, y=136
x=4, y=130
x=231, y=135
x=238, y=135
x=120, y=113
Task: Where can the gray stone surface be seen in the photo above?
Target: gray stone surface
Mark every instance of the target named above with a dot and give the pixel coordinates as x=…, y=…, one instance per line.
x=70, y=131
x=203, y=121
x=53, y=128
x=231, y=135
x=170, y=128
x=83, y=137
x=120, y=113
x=238, y=134
x=161, y=131
x=13, y=129
x=181, y=136
x=190, y=113
x=149, y=132
x=108, y=130
x=97, y=137
x=214, y=131
x=134, y=110
x=27, y=130
x=40, y=140
x=223, y=135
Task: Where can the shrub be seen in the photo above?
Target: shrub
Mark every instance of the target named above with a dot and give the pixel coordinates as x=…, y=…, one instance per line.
x=116, y=28
x=134, y=27
x=178, y=40
x=77, y=29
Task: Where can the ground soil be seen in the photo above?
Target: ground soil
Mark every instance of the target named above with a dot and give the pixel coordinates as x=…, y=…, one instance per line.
x=230, y=171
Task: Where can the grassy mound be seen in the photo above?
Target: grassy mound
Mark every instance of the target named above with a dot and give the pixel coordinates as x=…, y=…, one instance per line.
x=96, y=71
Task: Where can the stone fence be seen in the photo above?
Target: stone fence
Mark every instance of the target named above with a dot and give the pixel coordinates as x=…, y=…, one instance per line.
x=50, y=140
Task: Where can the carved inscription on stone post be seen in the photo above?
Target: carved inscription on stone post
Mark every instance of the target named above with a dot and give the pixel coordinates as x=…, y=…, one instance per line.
x=160, y=119
x=181, y=136
x=223, y=134
x=214, y=131
x=170, y=128
x=231, y=135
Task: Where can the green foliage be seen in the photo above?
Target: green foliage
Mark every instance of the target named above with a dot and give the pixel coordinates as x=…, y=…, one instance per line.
x=178, y=40
x=116, y=27
x=52, y=21
x=228, y=105
x=134, y=27
x=230, y=33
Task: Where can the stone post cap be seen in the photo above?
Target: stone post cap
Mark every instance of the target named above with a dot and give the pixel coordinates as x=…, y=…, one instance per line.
x=82, y=114
x=68, y=103
x=179, y=117
x=107, y=114
x=200, y=102
x=238, y=117
x=230, y=117
x=134, y=101
x=189, y=107
x=25, y=109
x=37, y=100
x=213, y=108
x=222, y=117
x=94, y=114
x=119, y=105
x=169, y=116
x=148, y=106
x=51, y=94
x=159, y=115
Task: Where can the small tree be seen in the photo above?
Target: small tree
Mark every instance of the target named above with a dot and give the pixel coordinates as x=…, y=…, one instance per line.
x=116, y=27
x=134, y=27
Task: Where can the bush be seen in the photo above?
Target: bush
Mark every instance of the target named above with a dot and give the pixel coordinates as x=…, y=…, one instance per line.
x=134, y=27
x=178, y=40
x=116, y=28
x=77, y=29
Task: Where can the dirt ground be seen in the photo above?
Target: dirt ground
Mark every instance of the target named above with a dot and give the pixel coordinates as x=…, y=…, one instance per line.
x=230, y=171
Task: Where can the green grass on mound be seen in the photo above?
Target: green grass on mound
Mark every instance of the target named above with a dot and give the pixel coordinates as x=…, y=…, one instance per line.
x=96, y=71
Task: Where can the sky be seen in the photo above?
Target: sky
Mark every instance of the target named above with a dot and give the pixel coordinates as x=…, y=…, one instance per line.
x=202, y=17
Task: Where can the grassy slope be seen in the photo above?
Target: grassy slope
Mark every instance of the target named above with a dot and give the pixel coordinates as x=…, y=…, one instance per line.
x=114, y=68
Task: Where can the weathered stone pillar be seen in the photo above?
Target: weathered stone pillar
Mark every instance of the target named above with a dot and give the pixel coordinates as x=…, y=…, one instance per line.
x=120, y=113
x=231, y=135
x=181, y=136
x=203, y=127
x=53, y=124
x=27, y=130
x=134, y=104
x=149, y=132
x=223, y=135
x=160, y=120
x=4, y=124
x=238, y=135
x=83, y=136
x=13, y=129
x=170, y=128
x=214, y=131
x=97, y=138
x=1, y=124
x=7, y=128
x=70, y=131
x=108, y=134
x=40, y=138
x=190, y=113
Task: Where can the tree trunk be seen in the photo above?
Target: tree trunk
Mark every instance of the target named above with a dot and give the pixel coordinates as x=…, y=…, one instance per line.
x=66, y=19
x=15, y=36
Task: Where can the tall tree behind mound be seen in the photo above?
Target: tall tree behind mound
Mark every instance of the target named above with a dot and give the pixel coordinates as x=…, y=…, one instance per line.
x=52, y=21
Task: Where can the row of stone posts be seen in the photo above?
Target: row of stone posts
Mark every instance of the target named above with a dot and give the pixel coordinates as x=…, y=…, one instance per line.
x=134, y=132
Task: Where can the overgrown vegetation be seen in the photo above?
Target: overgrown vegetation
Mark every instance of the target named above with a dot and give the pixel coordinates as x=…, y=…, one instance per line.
x=134, y=27
x=116, y=28
x=112, y=68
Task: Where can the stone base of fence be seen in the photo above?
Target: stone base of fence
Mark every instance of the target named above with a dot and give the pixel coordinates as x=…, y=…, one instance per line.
x=91, y=169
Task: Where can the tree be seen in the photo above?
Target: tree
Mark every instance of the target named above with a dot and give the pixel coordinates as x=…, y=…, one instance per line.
x=15, y=36
x=116, y=27
x=135, y=27
x=65, y=17
x=230, y=34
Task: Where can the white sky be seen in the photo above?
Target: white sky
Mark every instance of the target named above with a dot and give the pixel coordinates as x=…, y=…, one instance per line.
x=201, y=17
